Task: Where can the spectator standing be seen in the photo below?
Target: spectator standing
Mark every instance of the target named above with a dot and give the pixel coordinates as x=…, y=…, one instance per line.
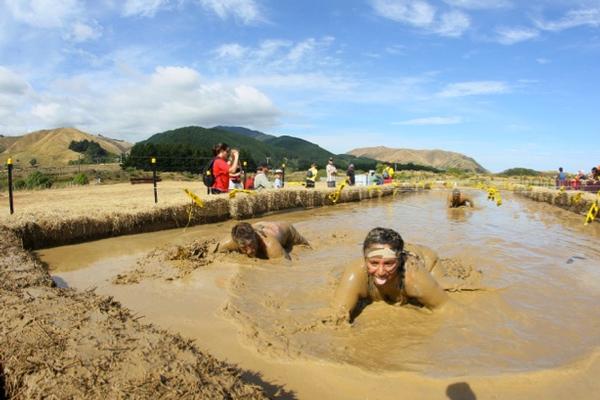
x=311, y=176
x=278, y=183
x=331, y=173
x=221, y=168
x=561, y=178
x=260, y=180
x=350, y=175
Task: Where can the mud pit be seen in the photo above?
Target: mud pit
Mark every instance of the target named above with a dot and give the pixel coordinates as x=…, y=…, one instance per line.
x=532, y=331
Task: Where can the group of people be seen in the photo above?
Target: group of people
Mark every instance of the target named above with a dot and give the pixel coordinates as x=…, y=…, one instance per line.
x=226, y=173
x=387, y=271
x=580, y=181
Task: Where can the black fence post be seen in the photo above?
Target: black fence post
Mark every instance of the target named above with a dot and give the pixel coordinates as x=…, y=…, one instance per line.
x=9, y=165
x=282, y=175
x=153, y=162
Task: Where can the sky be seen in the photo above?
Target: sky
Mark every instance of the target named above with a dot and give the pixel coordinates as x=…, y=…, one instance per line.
x=510, y=83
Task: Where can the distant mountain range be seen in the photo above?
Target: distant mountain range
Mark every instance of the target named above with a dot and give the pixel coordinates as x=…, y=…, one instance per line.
x=185, y=148
x=51, y=147
x=435, y=158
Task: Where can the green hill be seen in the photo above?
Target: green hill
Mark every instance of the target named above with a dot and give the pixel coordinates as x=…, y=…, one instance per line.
x=190, y=148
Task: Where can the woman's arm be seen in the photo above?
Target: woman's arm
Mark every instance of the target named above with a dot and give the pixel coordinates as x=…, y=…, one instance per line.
x=351, y=288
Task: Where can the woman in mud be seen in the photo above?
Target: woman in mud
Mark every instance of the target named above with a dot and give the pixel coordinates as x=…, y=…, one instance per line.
x=390, y=273
x=262, y=239
x=457, y=199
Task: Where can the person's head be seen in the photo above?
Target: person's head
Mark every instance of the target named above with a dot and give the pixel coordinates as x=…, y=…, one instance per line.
x=278, y=173
x=244, y=235
x=455, y=194
x=560, y=169
x=382, y=250
x=330, y=160
x=221, y=150
x=594, y=170
x=313, y=165
x=351, y=166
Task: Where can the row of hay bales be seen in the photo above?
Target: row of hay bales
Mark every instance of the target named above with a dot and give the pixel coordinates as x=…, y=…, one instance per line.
x=577, y=202
x=63, y=344
x=42, y=232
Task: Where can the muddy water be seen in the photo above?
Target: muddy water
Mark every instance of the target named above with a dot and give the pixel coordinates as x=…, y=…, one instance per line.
x=533, y=319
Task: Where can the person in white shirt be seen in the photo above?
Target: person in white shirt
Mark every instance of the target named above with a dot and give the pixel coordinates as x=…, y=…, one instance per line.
x=331, y=172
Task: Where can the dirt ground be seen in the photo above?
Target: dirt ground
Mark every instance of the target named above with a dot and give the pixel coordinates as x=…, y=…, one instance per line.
x=61, y=343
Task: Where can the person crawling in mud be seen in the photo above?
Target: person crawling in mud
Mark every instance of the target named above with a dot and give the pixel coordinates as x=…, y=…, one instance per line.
x=262, y=239
x=388, y=272
x=457, y=199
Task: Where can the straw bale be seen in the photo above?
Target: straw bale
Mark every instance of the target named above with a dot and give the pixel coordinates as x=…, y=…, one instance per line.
x=577, y=202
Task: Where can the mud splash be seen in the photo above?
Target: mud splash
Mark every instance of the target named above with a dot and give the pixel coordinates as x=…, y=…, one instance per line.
x=169, y=263
x=512, y=333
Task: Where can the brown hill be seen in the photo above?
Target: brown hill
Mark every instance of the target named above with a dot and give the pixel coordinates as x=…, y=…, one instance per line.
x=435, y=158
x=51, y=147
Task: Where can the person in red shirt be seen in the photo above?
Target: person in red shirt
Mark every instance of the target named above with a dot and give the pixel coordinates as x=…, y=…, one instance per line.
x=221, y=168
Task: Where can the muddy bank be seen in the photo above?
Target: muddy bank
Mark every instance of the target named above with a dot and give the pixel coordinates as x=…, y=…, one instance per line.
x=62, y=343
x=577, y=202
x=63, y=227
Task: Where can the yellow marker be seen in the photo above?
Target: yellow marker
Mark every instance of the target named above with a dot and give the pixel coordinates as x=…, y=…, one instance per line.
x=335, y=196
x=9, y=161
x=294, y=183
x=234, y=192
x=593, y=212
x=194, y=197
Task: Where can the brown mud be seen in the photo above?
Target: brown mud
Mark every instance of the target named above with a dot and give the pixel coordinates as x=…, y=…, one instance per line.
x=62, y=343
x=530, y=333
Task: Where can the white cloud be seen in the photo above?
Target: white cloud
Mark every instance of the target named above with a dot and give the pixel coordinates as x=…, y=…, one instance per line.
x=308, y=46
x=169, y=97
x=431, y=121
x=43, y=13
x=231, y=50
x=479, y=4
x=82, y=32
x=11, y=83
x=417, y=13
x=453, y=24
x=473, y=88
x=542, y=60
x=510, y=36
x=144, y=8
x=574, y=18
x=246, y=11
x=420, y=14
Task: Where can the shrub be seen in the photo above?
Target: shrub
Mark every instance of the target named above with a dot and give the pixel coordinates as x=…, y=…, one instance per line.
x=81, y=179
x=37, y=179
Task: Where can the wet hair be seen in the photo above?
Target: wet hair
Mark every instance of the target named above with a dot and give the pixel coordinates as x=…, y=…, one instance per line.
x=384, y=236
x=560, y=169
x=219, y=147
x=244, y=235
x=455, y=193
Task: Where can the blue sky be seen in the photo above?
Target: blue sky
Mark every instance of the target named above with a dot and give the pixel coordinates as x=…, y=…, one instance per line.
x=507, y=82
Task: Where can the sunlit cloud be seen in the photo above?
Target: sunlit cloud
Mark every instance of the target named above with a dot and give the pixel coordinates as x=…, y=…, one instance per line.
x=431, y=121
x=246, y=11
x=479, y=4
x=420, y=14
x=510, y=36
x=474, y=88
x=573, y=19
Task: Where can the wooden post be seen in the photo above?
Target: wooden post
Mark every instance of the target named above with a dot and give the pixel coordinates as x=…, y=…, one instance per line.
x=282, y=175
x=9, y=165
x=153, y=162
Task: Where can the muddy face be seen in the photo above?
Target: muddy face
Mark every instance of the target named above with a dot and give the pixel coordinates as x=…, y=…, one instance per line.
x=248, y=247
x=383, y=269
